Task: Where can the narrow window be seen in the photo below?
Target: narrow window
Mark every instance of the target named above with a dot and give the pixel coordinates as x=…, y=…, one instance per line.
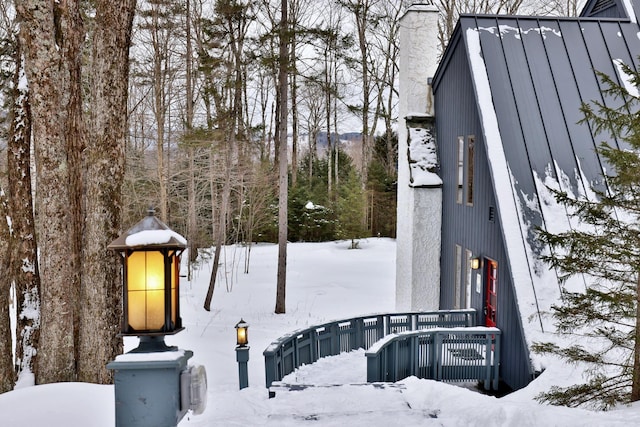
x=457, y=280
x=460, y=189
x=467, y=285
x=471, y=142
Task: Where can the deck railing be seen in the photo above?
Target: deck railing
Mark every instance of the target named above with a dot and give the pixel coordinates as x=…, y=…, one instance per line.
x=443, y=354
x=306, y=346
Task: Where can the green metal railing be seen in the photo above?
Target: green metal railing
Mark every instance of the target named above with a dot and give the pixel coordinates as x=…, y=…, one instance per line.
x=306, y=346
x=443, y=354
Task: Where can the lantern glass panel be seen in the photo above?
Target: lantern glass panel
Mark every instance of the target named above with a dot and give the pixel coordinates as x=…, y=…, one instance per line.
x=242, y=336
x=136, y=315
x=175, y=279
x=145, y=293
x=136, y=271
x=155, y=310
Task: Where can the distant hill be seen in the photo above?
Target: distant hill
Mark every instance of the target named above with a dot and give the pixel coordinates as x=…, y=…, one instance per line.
x=351, y=137
x=350, y=143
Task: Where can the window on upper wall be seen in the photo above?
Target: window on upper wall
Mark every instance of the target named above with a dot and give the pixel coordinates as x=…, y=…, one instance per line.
x=471, y=142
x=457, y=277
x=460, y=188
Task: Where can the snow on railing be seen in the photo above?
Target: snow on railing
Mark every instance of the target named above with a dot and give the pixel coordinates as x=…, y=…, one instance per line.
x=442, y=354
x=306, y=346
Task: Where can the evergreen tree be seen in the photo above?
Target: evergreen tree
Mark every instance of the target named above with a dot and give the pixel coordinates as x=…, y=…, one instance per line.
x=311, y=216
x=382, y=186
x=606, y=249
x=350, y=205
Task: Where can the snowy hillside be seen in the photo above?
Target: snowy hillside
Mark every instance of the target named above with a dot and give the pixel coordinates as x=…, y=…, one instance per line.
x=325, y=281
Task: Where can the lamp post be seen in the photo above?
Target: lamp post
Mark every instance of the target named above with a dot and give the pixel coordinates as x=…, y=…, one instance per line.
x=153, y=384
x=242, y=352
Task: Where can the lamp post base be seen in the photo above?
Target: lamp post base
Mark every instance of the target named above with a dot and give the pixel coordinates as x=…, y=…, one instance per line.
x=152, y=344
x=148, y=388
x=242, y=357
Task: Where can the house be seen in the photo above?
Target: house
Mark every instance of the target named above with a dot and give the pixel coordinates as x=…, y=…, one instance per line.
x=500, y=109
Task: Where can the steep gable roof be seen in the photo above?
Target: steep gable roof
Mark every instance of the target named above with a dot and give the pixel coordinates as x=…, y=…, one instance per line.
x=604, y=9
x=530, y=77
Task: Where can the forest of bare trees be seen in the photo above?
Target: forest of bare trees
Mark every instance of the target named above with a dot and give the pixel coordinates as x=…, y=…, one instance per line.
x=224, y=115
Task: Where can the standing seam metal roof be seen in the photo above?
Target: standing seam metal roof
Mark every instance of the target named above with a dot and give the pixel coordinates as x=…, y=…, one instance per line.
x=540, y=71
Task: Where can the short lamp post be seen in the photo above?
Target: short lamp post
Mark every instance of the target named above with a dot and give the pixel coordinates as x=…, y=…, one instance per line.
x=242, y=352
x=153, y=384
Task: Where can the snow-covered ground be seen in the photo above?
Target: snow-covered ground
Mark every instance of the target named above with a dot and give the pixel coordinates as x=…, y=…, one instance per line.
x=326, y=281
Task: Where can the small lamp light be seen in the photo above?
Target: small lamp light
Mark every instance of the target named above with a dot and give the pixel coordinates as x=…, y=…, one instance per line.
x=242, y=337
x=475, y=263
x=151, y=254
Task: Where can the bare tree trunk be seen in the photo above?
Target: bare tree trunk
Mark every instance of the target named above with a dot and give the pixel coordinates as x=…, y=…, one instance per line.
x=24, y=261
x=192, y=220
x=50, y=63
x=294, y=124
x=362, y=18
x=283, y=162
x=101, y=289
x=293, y=15
x=159, y=25
x=74, y=133
x=7, y=374
x=635, y=376
x=222, y=229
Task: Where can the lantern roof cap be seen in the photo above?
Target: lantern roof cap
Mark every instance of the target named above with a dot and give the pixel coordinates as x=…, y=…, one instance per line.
x=149, y=232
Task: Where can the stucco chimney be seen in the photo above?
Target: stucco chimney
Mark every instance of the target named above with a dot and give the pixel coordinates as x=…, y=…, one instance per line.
x=419, y=215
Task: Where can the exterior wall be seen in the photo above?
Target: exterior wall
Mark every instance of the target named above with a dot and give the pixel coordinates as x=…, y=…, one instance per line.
x=471, y=227
x=418, y=61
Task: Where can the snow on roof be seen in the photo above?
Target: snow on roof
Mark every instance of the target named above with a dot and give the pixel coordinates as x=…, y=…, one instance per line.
x=530, y=79
x=625, y=78
x=628, y=6
x=148, y=232
x=508, y=205
x=153, y=237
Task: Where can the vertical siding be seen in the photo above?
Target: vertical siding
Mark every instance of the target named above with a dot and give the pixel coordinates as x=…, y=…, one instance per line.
x=470, y=226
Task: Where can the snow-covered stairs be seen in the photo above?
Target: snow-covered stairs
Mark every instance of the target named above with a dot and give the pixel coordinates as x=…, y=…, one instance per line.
x=365, y=404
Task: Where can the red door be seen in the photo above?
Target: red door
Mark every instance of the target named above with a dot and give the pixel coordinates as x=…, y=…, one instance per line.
x=491, y=293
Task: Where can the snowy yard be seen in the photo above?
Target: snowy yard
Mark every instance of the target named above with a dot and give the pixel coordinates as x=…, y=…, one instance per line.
x=326, y=281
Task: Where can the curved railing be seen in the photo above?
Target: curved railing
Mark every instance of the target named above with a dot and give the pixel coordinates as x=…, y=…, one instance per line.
x=442, y=354
x=306, y=346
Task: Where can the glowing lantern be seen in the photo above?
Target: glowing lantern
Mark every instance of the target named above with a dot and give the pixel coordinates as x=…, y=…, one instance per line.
x=242, y=337
x=151, y=253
